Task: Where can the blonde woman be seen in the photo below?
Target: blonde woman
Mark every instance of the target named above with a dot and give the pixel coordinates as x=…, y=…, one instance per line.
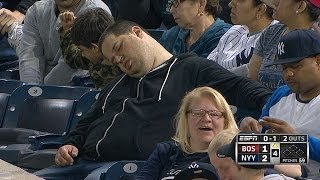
x=203, y=114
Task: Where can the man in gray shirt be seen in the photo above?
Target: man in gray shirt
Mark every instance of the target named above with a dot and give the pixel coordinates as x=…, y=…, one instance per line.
x=40, y=57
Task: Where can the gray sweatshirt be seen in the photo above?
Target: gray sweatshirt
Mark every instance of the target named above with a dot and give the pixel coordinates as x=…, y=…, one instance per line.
x=40, y=58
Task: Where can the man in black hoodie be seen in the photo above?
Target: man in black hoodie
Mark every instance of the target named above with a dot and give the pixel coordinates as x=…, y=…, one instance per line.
x=135, y=111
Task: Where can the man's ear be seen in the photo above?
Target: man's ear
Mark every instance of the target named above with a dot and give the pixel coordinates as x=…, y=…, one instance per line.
x=95, y=47
x=302, y=6
x=137, y=31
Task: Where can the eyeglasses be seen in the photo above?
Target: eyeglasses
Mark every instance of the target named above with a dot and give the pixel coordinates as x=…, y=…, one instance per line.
x=202, y=113
x=175, y=3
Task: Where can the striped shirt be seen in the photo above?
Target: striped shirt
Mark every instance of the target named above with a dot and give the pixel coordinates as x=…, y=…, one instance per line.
x=235, y=49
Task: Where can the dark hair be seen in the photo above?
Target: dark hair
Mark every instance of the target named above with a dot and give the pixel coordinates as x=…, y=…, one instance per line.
x=313, y=11
x=269, y=10
x=118, y=28
x=213, y=7
x=89, y=26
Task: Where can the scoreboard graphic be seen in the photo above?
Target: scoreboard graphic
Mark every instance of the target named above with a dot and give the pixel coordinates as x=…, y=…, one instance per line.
x=267, y=149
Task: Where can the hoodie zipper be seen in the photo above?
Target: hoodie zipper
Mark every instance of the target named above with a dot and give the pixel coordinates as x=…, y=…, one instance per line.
x=115, y=116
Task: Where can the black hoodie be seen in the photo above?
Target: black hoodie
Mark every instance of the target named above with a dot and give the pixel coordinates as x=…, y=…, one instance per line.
x=131, y=114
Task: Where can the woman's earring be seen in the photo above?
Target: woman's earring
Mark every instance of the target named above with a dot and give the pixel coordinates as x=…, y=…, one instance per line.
x=201, y=13
x=297, y=12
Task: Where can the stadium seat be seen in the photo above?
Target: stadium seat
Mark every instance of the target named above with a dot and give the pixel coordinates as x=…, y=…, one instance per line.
x=12, y=73
x=121, y=169
x=18, y=98
x=6, y=88
x=40, y=153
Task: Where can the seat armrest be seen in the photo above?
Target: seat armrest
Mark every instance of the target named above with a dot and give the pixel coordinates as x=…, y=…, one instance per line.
x=48, y=141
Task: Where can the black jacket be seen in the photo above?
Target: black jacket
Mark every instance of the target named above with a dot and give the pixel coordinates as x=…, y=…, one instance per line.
x=131, y=115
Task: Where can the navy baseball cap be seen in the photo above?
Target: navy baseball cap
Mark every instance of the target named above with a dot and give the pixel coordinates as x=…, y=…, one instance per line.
x=297, y=45
x=229, y=150
x=198, y=170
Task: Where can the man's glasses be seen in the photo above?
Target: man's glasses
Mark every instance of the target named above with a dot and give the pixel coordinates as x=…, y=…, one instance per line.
x=202, y=113
x=175, y=3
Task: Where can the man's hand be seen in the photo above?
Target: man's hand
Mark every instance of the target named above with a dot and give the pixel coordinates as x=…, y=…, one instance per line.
x=65, y=155
x=7, y=18
x=250, y=124
x=277, y=125
x=67, y=20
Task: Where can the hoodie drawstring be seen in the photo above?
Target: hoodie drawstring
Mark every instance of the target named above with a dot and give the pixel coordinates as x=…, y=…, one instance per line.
x=105, y=101
x=165, y=80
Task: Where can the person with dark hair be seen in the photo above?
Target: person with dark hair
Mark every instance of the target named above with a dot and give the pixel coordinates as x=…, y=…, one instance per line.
x=79, y=44
x=198, y=30
x=295, y=107
x=40, y=57
x=236, y=46
x=135, y=111
x=292, y=14
x=11, y=12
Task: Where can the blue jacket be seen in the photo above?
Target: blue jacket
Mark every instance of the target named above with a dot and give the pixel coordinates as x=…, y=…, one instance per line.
x=167, y=160
x=174, y=40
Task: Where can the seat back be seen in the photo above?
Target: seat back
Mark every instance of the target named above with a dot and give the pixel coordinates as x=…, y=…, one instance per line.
x=8, y=86
x=46, y=115
x=17, y=100
x=83, y=106
x=118, y=170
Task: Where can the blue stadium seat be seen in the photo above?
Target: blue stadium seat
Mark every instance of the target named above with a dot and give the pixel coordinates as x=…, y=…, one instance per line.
x=12, y=73
x=121, y=169
x=40, y=153
x=18, y=98
x=51, y=141
x=6, y=88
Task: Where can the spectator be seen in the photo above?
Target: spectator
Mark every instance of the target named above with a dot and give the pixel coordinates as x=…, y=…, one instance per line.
x=198, y=29
x=80, y=44
x=236, y=46
x=11, y=11
x=294, y=14
x=222, y=156
x=298, y=102
x=202, y=115
x=135, y=111
x=40, y=55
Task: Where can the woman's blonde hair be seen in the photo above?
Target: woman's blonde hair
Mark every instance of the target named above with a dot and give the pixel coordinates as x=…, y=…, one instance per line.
x=223, y=138
x=182, y=131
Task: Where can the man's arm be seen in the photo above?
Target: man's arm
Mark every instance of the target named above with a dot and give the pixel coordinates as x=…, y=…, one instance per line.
x=77, y=136
x=31, y=54
x=239, y=91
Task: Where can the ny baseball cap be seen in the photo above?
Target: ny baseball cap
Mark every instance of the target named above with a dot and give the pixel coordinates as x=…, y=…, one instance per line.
x=198, y=170
x=229, y=150
x=297, y=45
